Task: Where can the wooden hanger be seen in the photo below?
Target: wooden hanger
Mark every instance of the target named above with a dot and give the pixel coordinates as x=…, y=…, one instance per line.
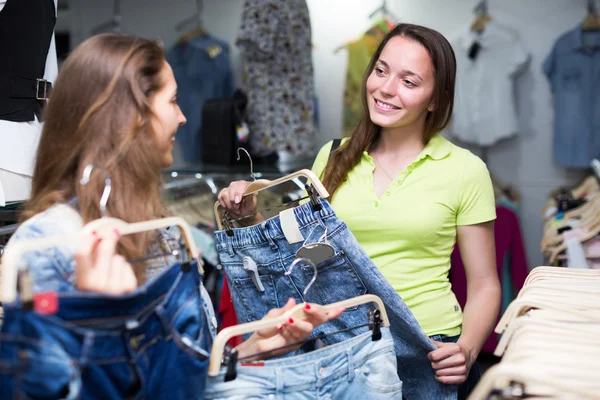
x=297, y=312
x=512, y=379
x=103, y=226
x=592, y=20
x=314, y=187
x=483, y=18
x=590, y=235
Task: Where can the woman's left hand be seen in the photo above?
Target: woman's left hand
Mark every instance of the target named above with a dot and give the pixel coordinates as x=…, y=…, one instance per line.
x=291, y=332
x=451, y=362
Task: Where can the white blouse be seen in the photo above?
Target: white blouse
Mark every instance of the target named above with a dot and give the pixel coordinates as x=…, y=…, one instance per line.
x=19, y=140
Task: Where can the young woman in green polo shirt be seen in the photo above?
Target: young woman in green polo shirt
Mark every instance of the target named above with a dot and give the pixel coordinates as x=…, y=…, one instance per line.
x=408, y=195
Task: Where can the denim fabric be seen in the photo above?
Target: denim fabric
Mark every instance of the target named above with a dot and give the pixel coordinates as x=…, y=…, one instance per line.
x=465, y=389
x=202, y=70
x=357, y=369
x=573, y=70
x=153, y=343
x=347, y=274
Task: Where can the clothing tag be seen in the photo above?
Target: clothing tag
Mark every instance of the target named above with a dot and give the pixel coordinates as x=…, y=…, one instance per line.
x=242, y=132
x=290, y=226
x=45, y=303
x=474, y=50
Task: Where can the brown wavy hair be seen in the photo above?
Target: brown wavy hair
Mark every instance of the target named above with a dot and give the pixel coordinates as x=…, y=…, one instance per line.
x=347, y=156
x=100, y=113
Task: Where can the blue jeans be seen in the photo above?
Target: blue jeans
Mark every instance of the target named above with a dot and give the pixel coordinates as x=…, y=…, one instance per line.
x=153, y=343
x=343, y=371
x=474, y=374
x=349, y=273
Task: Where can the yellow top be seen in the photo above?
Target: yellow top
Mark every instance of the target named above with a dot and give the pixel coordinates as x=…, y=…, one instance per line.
x=409, y=233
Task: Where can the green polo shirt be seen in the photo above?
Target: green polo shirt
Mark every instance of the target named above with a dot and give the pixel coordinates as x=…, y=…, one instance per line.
x=409, y=233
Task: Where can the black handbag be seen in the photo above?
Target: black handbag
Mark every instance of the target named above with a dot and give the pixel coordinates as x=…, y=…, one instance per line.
x=224, y=130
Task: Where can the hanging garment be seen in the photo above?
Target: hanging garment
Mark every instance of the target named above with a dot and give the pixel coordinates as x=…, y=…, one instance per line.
x=484, y=108
x=152, y=343
x=20, y=139
x=202, y=70
x=510, y=253
x=256, y=258
x=356, y=369
x=360, y=53
x=572, y=69
x=276, y=51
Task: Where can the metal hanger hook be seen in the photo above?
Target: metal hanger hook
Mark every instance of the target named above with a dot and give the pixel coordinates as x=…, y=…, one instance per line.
x=250, y=158
x=87, y=172
x=314, y=278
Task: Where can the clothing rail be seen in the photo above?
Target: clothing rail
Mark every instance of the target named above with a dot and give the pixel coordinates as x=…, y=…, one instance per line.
x=8, y=229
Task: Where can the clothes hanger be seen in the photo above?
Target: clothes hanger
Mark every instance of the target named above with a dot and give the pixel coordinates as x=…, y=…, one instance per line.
x=103, y=226
x=592, y=20
x=590, y=235
x=483, y=18
x=513, y=381
x=314, y=188
x=297, y=312
x=199, y=30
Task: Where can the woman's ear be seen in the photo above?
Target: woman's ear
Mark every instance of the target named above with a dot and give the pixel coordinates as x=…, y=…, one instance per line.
x=431, y=107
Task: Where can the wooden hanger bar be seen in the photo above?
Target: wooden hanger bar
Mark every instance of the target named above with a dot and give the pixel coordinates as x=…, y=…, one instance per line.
x=103, y=226
x=297, y=312
x=262, y=184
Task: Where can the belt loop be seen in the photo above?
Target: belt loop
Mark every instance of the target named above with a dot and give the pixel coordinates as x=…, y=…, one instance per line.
x=230, y=247
x=279, y=384
x=349, y=355
x=86, y=348
x=268, y=235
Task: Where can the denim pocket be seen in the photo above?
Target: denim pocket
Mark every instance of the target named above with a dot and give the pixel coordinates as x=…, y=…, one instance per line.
x=378, y=376
x=256, y=304
x=571, y=79
x=189, y=328
x=336, y=281
x=37, y=371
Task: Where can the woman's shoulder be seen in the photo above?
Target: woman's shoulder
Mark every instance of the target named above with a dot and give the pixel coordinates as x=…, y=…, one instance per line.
x=464, y=160
x=52, y=268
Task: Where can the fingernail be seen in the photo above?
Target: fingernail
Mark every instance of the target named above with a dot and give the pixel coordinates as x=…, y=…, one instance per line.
x=117, y=232
x=291, y=320
x=280, y=328
x=307, y=306
x=237, y=199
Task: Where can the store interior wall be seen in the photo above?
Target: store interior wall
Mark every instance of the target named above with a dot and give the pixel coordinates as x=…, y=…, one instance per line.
x=524, y=161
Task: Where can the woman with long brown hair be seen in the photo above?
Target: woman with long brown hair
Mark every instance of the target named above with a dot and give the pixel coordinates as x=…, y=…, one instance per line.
x=408, y=195
x=114, y=105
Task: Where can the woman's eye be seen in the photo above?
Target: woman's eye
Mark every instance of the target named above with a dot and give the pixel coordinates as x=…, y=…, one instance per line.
x=379, y=71
x=409, y=83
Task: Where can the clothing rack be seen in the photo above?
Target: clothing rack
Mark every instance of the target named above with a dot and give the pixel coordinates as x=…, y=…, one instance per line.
x=194, y=18
x=112, y=25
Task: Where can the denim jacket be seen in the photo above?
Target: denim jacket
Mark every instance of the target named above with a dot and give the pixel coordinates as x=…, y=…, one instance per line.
x=53, y=269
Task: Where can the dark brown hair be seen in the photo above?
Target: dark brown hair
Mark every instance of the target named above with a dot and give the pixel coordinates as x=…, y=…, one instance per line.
x=100, y=113
x=366, y=133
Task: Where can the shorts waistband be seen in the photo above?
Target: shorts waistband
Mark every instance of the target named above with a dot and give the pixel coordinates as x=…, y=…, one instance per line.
x=271, y=229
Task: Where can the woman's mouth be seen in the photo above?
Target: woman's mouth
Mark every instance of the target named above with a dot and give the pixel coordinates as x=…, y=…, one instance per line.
x=385, y=107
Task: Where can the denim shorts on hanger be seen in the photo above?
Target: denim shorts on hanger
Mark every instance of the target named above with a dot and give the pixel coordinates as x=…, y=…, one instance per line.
x=153, y=343
x=349, y=273
x=358, y=369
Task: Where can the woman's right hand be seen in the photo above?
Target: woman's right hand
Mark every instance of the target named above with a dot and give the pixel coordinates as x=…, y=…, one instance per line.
x=100, y=269
x=231, y=198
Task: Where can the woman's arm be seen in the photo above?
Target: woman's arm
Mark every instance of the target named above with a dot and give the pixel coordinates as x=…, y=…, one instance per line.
x=452, y=361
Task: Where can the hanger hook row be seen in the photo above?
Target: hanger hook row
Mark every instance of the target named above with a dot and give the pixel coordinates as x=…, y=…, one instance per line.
x=250, y=158
x=314, y=278
x=87, y=172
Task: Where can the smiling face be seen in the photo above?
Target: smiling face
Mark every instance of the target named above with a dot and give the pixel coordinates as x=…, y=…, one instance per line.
x=400, y=87
x=167, y=115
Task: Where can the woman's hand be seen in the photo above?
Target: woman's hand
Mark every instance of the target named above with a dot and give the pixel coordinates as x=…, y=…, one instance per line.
x=292, y=332
x=99, y=269
x=451, y=362
x=231, y=198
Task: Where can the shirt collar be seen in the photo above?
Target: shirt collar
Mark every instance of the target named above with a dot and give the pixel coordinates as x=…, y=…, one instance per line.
x=437, y=148
x=578, y=38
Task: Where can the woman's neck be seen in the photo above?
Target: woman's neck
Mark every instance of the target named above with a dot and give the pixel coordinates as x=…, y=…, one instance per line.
x=400, y=142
